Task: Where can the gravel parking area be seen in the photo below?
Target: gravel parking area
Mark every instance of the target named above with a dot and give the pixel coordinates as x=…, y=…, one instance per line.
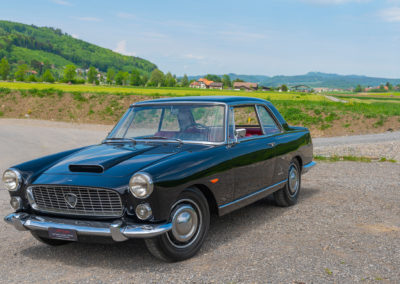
x=345, y=229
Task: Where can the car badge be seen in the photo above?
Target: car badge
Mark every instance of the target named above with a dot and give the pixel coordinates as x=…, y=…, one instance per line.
x=71, y=199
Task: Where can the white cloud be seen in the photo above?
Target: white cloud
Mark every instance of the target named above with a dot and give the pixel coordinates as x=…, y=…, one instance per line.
x=75, y=36
x=62, y=2
x=89, y=19
x=121, y=48
x=124, y=15
x=391, y=14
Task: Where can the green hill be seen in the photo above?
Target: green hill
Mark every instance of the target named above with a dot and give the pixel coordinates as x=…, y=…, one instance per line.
x=20, y=42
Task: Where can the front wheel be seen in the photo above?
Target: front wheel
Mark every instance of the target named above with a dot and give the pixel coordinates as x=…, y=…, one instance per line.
x=190, y=218
x=289, y=194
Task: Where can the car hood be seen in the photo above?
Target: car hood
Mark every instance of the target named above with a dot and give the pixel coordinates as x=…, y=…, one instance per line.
x=114, y=160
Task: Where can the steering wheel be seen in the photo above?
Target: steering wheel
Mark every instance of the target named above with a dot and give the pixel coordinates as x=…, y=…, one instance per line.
x=198, y=126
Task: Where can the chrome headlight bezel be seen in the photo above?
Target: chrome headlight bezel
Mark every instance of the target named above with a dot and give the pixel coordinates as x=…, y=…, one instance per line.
x=141, y=185
x=17, y=177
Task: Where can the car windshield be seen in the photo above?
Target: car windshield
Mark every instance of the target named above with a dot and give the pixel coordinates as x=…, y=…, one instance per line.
x=180, y=122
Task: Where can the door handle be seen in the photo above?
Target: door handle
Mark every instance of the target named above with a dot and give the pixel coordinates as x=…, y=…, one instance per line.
x=271, y=144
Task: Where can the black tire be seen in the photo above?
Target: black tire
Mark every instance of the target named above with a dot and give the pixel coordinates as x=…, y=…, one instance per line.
x=47, y=241
x=168, y=248
x=288, y=196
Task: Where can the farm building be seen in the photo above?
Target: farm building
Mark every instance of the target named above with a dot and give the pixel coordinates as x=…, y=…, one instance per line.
x=216, y=85
x=247, y=86
x=203, y=83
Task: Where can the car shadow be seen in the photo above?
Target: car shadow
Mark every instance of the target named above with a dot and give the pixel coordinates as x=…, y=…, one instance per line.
x=132, y=255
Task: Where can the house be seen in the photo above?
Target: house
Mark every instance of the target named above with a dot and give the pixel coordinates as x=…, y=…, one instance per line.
x=247, y=86
x=31, y=72
x=203, y=83
x=194, y=84
x=301, y=88
x=321, y=90
x=216, y=85
x=265, y=89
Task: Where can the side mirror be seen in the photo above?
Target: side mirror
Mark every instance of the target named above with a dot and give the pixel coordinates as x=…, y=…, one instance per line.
x=240, y=133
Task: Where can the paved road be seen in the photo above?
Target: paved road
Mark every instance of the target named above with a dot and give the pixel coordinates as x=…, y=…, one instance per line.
x=357, y=139
x=345, y=229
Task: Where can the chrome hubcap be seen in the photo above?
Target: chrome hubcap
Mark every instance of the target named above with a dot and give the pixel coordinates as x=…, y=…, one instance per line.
x=293, y=180
x=184, y=223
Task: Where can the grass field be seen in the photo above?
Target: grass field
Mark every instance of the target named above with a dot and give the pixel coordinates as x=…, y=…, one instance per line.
x=105, y=104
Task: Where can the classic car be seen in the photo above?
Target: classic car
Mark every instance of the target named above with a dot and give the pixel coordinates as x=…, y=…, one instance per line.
x=165, y=167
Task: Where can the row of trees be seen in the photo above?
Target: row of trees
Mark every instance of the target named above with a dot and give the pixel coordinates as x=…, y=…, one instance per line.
x=382, y=88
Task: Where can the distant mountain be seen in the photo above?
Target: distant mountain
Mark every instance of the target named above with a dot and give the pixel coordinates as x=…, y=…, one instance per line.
x=313, y=79
x=24, y=43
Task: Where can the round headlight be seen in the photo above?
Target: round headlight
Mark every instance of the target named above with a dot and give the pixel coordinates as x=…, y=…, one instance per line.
x=141, y=185
x=12, y=179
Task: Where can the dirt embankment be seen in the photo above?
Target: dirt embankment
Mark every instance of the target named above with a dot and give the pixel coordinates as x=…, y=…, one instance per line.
x=108, y=108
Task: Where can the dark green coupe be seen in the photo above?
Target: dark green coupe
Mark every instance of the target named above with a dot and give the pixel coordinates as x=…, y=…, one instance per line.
x=164, y=168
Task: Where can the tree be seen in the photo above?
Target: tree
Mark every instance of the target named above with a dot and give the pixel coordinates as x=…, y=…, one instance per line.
x=169, y=80
x=238, y=80
x=91, y=75
x=135, y=78
x=69, y=73
x=121, y=78
x=358, y=89
x=389, y=86
x=48, y=77
x=156, y=78
x=213, y=77
x=21, y=71
x=32, y=78
x=284, y=88
x=4, y=68
x=144, y=79
x=226, y=80
x=185, y=81
x=110, y=75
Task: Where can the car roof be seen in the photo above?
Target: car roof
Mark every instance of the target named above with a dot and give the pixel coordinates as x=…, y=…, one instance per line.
x=202, y=99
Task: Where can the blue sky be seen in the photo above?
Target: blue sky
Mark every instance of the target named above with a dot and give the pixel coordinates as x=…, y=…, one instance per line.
x=285, y=37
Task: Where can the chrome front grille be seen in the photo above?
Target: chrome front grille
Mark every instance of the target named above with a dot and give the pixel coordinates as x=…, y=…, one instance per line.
x=89, y=201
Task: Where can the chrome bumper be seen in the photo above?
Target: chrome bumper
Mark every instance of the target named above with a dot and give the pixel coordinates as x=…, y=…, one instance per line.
x=308, y=167
x=117, y=230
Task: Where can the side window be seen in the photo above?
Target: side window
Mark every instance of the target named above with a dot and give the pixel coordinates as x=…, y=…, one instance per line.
x=246, y=118
x=267, y=121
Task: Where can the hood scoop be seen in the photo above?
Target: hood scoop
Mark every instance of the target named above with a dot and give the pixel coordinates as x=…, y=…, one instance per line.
x=86, y=168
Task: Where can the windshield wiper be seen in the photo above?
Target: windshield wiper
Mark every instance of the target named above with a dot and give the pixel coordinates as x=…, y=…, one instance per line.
x=162, y=138
x=116, y=140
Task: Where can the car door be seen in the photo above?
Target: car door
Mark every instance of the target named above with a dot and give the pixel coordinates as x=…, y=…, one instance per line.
x=252, y=156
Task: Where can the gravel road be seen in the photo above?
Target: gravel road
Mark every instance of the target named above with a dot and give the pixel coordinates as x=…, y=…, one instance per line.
x=345, y=228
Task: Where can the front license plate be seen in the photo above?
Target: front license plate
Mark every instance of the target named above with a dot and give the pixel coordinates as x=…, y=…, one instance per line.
x=62, y=234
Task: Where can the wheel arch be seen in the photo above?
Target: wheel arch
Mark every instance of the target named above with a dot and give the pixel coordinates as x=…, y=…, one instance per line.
x=212, y=203
x=300, y=161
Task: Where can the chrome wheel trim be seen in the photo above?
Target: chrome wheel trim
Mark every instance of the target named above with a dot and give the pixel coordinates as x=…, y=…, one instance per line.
x=294, y=180
x=186, y=223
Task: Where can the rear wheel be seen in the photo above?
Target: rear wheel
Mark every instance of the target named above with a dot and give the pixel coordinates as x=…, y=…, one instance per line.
x=289, y=194
x=47, y=241
x=190, y=218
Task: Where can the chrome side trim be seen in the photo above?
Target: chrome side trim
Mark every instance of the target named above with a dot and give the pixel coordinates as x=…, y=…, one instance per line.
x=250, y=198
x=308, y=167
x=117, y=230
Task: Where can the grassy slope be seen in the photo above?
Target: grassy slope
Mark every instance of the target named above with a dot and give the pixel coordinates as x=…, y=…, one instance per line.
x=55, y=42
x=103, y=104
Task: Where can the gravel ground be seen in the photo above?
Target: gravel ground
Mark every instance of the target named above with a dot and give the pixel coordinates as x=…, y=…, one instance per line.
x=376, y=146
x=345, y=229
